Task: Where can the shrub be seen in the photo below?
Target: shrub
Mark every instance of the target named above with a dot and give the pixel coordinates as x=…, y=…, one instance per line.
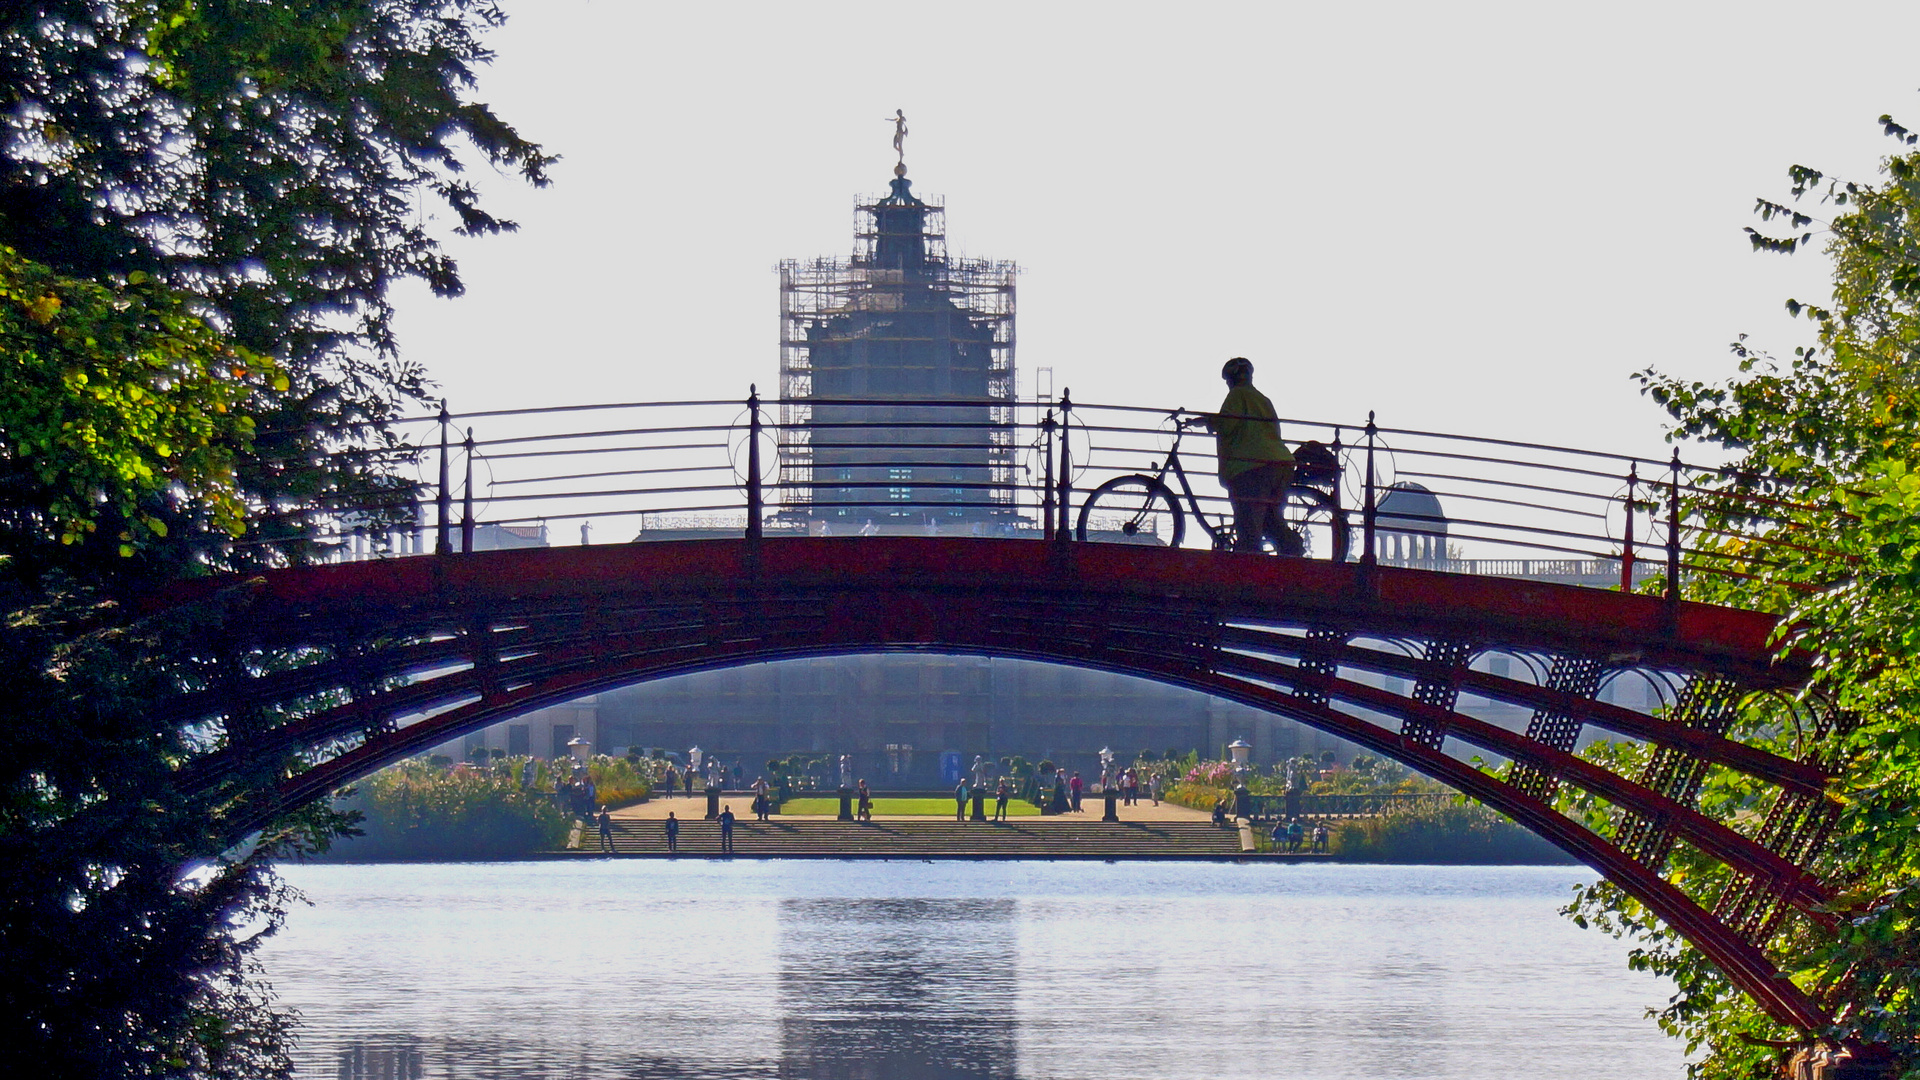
x=1463, y=835
x=415, y=811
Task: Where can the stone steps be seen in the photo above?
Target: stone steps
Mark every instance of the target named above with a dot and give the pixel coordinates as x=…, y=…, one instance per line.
x=929, y=839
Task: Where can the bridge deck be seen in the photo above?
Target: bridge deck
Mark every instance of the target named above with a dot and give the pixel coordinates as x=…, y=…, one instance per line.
x=864, y=575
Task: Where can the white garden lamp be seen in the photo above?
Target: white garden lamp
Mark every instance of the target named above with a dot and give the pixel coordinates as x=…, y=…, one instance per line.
x=580, y=748
x=1239, y=749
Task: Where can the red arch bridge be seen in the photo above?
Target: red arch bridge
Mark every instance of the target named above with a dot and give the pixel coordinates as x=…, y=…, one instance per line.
x=324, y=673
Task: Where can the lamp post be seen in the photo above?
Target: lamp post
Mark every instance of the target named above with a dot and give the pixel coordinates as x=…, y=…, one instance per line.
x=1239, y=749
x=580, y=748
x=1109, y=791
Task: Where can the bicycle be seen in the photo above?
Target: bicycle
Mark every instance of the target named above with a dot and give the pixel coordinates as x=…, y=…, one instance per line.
x=1140, y=500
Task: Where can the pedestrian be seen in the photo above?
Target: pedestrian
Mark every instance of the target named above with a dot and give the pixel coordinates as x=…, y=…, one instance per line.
x=1255, y=465
x=960, y=801
x=1296, y=835
x=739, y=775
x=1073, y=792
x=1319, y=838
x=687, y=777
x=726, y=829
x=760, y=806
x=673, y=834
x=866, y=803
x=606, y=830
x=1153, y=788
x=673, y=780
x=1000, y=801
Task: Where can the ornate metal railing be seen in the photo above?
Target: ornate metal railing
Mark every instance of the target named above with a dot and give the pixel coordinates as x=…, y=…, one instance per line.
x=1060, y=471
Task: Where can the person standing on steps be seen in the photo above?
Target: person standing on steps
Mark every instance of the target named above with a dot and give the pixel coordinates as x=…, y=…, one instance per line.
x=1000, y=801
x=726, y=830
x=673, y=834
x=606, y=830
x=960, y=801
x=1073, y=792
x=865, y=812
x=1255, y=464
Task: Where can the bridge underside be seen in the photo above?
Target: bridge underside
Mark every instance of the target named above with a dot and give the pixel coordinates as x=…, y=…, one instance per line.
x=394, y=656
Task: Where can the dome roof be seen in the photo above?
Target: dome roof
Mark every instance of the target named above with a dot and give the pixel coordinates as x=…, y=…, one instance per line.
x=1408, y=507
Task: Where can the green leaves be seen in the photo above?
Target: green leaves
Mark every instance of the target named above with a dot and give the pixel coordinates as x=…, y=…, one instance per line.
x=118, y=409
x=1832, y=440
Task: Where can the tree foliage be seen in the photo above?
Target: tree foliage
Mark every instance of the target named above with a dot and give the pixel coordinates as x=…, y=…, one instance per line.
x=276, y=162
x=203, y=207
x=1830, y=439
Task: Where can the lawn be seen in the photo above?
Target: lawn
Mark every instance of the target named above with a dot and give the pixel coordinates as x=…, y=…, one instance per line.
x=923, y=807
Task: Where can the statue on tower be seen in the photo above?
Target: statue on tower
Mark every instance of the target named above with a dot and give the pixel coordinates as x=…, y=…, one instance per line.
x=900, y=141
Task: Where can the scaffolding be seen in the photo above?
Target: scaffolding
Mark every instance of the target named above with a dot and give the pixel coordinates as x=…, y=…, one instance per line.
x=901, y=321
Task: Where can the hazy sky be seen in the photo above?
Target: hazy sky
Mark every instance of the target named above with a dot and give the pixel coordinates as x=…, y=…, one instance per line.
x=1471, y=216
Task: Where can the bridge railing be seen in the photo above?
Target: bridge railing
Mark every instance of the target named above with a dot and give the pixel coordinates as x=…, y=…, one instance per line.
x=1063, y=471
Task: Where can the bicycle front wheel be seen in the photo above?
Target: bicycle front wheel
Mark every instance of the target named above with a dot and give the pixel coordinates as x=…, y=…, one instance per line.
x=1133, y=509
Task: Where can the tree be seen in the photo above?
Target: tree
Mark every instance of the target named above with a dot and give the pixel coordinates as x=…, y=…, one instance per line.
x=1832, y=438
x=203, y=206
x=270, y=160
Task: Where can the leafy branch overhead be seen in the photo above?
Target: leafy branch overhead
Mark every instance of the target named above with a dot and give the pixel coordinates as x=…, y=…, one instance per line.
x=117, y=398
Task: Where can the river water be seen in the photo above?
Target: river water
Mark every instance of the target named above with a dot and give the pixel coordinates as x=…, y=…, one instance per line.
x=634, y=970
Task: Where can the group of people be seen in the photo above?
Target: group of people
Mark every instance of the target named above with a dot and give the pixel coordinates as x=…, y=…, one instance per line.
x=963, y=794
x=1127, y=782
x=1292, y=835
x=716, y=777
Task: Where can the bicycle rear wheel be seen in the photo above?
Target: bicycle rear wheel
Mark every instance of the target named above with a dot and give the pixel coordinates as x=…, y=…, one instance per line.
x=1132, y=509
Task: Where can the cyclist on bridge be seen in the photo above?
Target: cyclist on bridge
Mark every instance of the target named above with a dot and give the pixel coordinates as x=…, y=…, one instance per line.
x=1255, y=464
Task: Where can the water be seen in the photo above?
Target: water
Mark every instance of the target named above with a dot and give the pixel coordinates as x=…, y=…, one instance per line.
x=633, y=970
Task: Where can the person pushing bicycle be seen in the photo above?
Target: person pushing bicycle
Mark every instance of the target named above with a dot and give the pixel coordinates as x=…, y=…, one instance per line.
x=1255, y=464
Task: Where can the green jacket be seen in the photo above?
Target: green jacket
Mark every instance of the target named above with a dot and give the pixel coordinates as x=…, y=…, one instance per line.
x=1248, y=443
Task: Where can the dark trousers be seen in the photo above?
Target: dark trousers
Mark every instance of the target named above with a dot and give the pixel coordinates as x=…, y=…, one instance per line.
x=1257, y=496
x=726, y=841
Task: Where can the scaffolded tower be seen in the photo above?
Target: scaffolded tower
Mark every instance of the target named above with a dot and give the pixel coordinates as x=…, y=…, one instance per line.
x=870, y=348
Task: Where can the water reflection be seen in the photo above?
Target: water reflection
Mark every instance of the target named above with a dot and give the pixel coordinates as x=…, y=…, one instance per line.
x=772, y=971
x=897, y=989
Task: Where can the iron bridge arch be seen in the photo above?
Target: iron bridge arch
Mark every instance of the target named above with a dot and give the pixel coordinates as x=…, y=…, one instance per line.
x=401, y=654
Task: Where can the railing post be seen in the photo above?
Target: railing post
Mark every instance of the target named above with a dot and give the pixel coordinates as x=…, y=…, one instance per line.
x=1064, y=531
x=443, y=531
x=466, y=500
x=1046, y=479
x=1673, y=531
x=1368, y=556
x=754, y=504
x=1339, y=476
x=1626, y=542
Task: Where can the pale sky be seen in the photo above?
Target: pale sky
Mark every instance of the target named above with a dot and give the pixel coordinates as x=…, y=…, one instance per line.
x=1477, y=217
